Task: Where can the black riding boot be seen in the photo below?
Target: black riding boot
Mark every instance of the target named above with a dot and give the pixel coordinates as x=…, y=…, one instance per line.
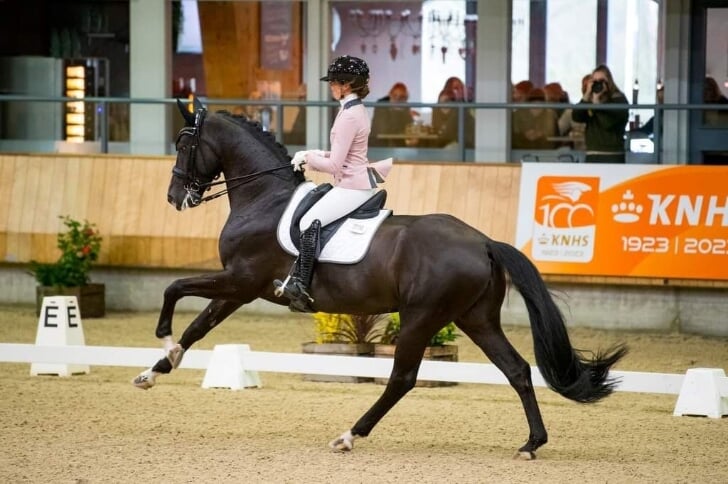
x=297, y=288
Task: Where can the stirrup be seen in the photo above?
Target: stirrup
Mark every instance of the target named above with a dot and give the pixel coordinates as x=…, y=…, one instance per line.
x=294, y=290
x=280, y=286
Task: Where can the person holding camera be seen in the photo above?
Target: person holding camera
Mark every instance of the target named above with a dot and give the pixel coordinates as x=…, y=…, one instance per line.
x=604, y=134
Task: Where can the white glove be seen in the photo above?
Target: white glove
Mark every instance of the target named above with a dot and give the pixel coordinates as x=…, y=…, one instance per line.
x=299, y=158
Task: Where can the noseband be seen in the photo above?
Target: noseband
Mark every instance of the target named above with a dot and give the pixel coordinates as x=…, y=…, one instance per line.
x=191, y=178
x=193, y=183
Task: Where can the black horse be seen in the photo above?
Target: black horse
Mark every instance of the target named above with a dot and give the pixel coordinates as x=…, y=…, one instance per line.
x=432, y=269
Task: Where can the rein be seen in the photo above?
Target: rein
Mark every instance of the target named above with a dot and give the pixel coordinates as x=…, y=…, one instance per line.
x=243, y=179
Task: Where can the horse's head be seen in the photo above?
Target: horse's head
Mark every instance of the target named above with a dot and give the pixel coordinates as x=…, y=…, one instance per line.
x=197, y=164
x=229, y=144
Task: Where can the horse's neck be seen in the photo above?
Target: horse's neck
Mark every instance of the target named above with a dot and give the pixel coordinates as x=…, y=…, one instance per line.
x=246, y=157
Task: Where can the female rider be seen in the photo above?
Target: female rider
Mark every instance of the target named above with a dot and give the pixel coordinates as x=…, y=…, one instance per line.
x=355, y=179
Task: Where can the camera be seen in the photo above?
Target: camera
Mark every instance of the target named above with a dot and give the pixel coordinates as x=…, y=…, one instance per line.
x=598, y=86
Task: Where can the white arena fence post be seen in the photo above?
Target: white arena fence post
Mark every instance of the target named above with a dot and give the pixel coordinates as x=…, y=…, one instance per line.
x=59, y=324
x=227, y=369
x=704, y=392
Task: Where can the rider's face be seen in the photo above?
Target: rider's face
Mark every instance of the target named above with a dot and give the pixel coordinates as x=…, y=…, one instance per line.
x=339, y=89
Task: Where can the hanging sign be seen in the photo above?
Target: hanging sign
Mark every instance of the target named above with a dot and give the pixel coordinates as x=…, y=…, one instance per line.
x=276, y=27
x=625, y=220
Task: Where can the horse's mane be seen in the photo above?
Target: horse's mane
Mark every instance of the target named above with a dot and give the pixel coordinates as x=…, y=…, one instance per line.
x=256, y=129
x=265, y=137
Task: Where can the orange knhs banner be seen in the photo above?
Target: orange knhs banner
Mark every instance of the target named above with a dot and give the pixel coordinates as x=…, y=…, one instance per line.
x=625, y=220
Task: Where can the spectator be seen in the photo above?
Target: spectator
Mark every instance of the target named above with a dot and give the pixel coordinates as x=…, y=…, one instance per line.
x=713, y=95
x=519, y=94
x=445, y=122
x=457, y=88
x=391, y=120
x=520, y=91
x=604, y=127
x=567, y=126
x=531, y=128
x=554, y=93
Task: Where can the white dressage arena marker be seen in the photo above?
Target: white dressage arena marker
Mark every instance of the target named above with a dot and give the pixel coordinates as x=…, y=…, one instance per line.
x=704, y=392
x=59, y=324
x=226, y=369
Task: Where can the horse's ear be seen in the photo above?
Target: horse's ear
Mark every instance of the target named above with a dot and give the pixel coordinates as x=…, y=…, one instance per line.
x=197, y=104
x=189, y=117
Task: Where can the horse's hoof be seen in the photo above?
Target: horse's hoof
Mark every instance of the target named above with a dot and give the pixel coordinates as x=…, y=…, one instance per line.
x=174, y=355
x=525, y=455
x=145, y=380
x=344, y=443
x=341, y=445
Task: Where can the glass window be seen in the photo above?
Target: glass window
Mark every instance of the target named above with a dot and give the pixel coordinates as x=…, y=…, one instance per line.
x=520, y=38
x=570, y=46
x=715, y=89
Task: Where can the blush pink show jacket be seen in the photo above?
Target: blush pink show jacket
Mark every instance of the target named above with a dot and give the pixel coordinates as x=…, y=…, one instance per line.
x=347, y=161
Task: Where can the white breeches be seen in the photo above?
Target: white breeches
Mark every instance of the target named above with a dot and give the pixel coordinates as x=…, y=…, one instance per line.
x=334, y=205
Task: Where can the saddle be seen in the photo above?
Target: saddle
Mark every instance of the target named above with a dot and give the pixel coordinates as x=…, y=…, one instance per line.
x=344, y=241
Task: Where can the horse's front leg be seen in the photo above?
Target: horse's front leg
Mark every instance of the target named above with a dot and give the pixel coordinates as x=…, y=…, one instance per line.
x=218, y=285
x=227, y=294
x=213, y=315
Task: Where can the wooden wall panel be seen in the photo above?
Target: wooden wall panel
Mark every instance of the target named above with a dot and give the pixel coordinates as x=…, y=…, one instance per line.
x=125, y=197
x=7, y=181
x=224, y=71
x=484, y=196
x=231, y=50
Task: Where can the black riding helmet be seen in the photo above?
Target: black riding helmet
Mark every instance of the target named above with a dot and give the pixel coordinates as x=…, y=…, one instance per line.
x=347, y=68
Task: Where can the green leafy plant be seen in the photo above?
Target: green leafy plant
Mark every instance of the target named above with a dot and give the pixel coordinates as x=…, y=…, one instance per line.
x=348, y=328
x=391, y=332
x=80, y=245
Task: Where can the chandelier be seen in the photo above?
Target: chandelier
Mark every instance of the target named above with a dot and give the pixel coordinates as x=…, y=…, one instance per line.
x=375, y=22
x=452, y=29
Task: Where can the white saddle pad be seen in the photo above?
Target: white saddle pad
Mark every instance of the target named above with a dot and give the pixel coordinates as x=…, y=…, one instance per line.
x=348, y=245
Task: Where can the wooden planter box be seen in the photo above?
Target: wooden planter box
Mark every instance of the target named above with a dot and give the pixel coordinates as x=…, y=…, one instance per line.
x=91, y=298
x=346, y=349
x=439, y=353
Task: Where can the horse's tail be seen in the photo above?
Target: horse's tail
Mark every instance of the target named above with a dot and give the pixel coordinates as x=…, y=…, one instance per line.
x=566, y=370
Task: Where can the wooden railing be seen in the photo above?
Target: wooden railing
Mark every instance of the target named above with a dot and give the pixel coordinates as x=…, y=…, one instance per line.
x=126, y=197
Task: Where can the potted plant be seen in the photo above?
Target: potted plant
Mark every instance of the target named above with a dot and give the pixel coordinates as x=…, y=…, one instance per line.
x=344, y=334
x=437, y=349
x=79, y=244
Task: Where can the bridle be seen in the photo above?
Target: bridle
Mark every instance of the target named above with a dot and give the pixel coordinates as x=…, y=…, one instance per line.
x=193, y=181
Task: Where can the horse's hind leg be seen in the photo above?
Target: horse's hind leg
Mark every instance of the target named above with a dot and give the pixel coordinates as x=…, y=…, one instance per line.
x=490, y=338
x=407, y=358
x=213, y=314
